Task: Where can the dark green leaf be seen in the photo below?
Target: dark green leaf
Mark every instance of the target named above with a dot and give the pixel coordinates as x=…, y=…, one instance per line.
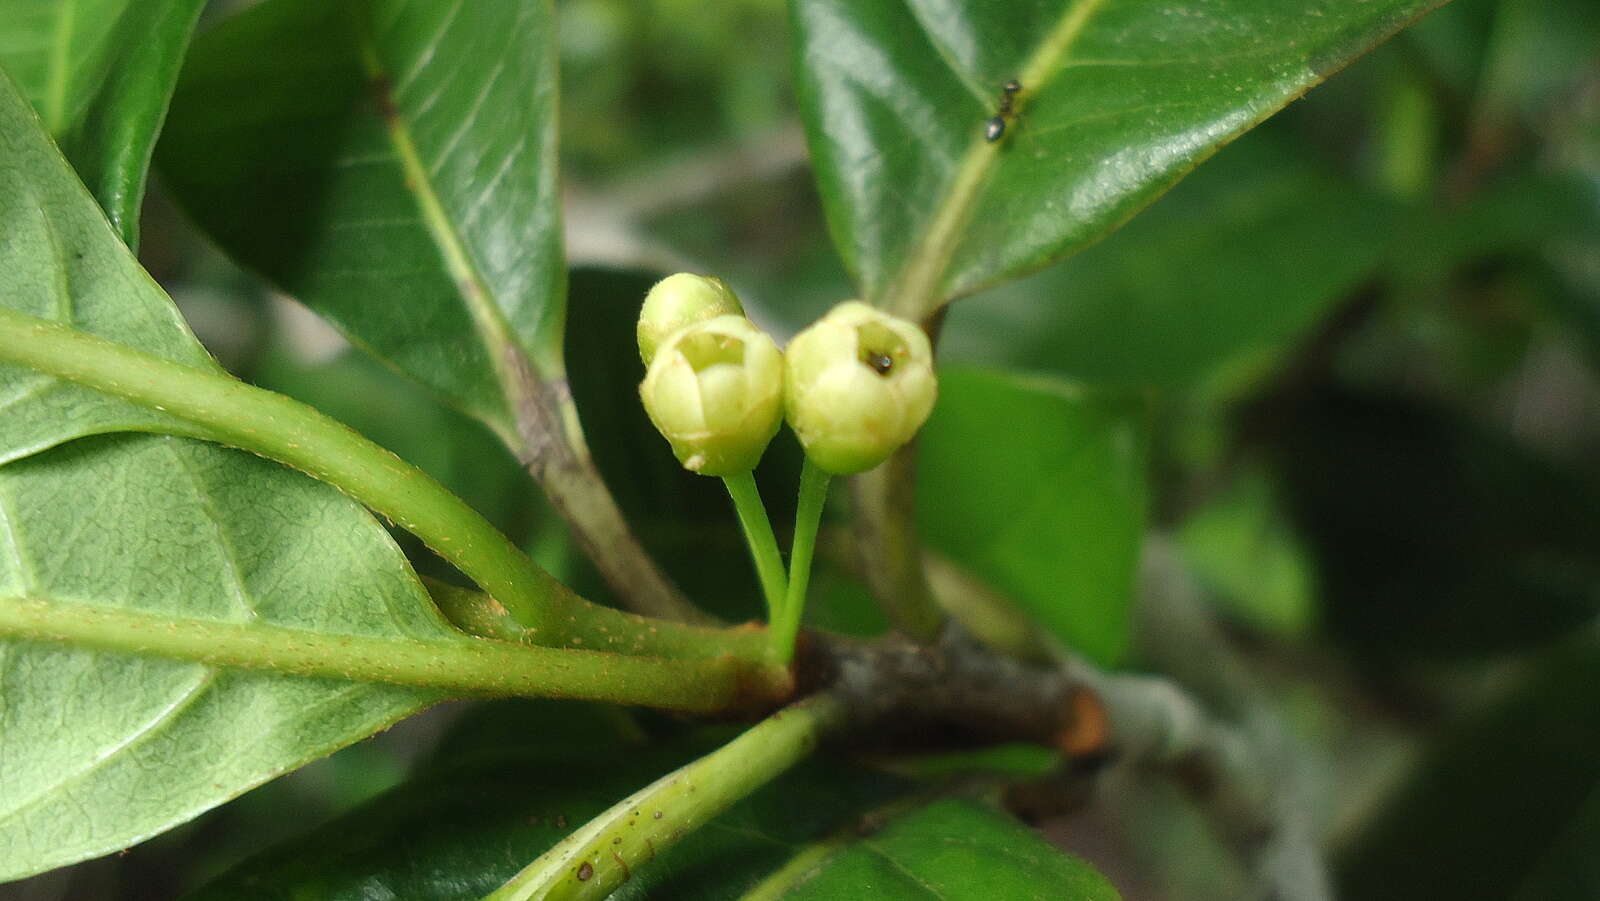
x=508, y=784
x=1432, y=535
x=100, y=73
x=391, y=164
x=1038, y=487
x=1119, y=100
x=1225, y=271
x=1501, y=793
x=725, y=859
x=950, y=849
x=519, y=776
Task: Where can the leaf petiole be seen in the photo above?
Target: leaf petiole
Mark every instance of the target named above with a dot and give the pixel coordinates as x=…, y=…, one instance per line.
x=216, y=407
x=464, y=665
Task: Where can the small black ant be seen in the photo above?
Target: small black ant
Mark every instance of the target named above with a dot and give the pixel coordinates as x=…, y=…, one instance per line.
x=995, y=128
x=881, y=363
x=1007, y=91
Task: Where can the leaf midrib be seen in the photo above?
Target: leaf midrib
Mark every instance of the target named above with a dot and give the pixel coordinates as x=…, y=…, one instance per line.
x=56, y=83
x=164, y=720
x=505, y=354
x=913, y=292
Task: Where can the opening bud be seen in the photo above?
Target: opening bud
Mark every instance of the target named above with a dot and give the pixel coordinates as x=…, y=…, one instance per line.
x=678, y=301
x=859, y=384
x=715, y=391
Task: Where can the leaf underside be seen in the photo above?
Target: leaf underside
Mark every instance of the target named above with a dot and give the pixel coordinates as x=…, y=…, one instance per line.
x=100, y=750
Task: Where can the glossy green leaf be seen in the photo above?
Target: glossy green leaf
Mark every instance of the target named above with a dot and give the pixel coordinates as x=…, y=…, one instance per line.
x=157, y=525
x=1119, y=100
x=100, y=73
x=1223, y=273
x=1038, y=487
x=391, y=164
x=951, y=849
x=53, y=48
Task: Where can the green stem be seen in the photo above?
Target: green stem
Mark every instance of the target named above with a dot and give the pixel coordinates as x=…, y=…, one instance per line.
x=807, y=517
x=591, y=862
x=464, y=665
x=220, y=408
x=758, y=535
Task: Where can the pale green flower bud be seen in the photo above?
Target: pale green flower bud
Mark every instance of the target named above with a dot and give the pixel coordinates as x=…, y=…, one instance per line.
x=681, y=300
x=715, y=390
x=859, y=384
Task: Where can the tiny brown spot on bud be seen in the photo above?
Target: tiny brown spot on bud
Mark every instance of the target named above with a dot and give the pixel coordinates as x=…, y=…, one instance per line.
x=585, y=872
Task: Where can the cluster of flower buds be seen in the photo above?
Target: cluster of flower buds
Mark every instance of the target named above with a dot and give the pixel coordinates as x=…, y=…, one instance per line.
x=855, y=386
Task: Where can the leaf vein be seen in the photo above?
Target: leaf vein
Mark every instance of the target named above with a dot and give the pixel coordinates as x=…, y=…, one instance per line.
x=902, y=870
x=154, y=727
x=983, y=97
x=425, y=55
x=230, y=556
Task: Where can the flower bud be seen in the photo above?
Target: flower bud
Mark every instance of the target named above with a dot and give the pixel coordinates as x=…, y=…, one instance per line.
x=681, y=300
x=859, y=383
x=715, y=391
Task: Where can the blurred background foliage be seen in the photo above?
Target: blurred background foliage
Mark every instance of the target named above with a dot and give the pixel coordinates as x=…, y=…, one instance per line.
x=1343, y=380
